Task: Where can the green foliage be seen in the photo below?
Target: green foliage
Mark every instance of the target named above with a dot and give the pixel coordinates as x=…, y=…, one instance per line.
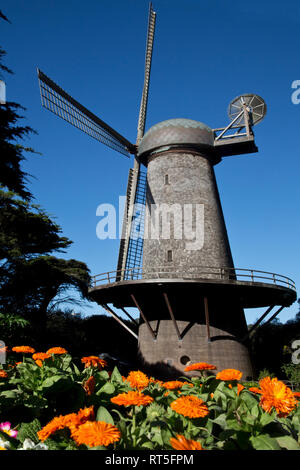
x=292, y=372
x=29, y=431
x=270, y=345
x=265, y=373
x=32, y=395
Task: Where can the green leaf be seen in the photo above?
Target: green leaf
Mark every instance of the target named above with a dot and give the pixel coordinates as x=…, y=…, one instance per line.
x=103, y=375
x=29, y=431
x=116, y=376
x=56, y=384
x=233, y=424
x=97, y=448
x=264, y=442
x=296, y=422
x=147, y=445
x=288, y=443
x=249, y=400
x=266, y=418
x=66, y=361
x=221, y=421
x=76, y=370
x=11, y=394
x=107, y=388
x=255, y=411
x=166, y=436
x=104, y=415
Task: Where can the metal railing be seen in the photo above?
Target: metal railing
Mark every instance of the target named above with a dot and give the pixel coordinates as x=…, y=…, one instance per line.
x=193, y=272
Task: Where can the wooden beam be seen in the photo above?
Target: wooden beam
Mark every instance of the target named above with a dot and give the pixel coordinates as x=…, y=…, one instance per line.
x=129, y=316
x=258, y=322
x=115, y=316
x=143, y=316
x=172, y=315
x=275, y=314
x=207, y=318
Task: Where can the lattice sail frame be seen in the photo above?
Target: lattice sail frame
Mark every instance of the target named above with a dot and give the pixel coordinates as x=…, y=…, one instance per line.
x=56, y=100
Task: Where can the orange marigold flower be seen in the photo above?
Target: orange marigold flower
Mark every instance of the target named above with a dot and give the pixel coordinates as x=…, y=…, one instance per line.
x=297, y=395
x=132, y=398
x=138, y=380
x=40, y=356
x=93, y=361
x=255, y=390
x=57, y=350
x=229, y=374
x=89, y=385
x=23, y=349
x=86, y=414
x=96, y=433
x=181, y=443
x=200, y=366
x=71, y=421
x=59, y=422
x=173, y=384
x=3, y=373
x=275, y=394
x=190, y=406
x=39, y=362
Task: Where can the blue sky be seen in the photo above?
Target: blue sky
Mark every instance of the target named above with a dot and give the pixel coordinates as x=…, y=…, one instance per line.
x=205, y=54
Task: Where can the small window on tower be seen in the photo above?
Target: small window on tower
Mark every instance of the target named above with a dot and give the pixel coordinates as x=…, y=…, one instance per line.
x=166, y=179
x=170, y=255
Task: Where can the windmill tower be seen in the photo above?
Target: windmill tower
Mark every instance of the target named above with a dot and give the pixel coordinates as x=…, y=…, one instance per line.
x=175, y=264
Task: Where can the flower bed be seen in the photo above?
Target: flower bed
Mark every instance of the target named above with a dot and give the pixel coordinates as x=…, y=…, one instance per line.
x=47, y=402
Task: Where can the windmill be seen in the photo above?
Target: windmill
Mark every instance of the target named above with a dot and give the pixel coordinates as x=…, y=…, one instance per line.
x=189, y=296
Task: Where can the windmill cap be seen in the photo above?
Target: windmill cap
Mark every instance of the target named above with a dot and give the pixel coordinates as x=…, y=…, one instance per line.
x=176, y=132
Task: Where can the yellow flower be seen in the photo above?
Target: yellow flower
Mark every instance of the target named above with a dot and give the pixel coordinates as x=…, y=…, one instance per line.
x=275, y=394
x=181, y=443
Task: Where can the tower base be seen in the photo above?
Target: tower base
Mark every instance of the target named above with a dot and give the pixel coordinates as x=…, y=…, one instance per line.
x=168, y=355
